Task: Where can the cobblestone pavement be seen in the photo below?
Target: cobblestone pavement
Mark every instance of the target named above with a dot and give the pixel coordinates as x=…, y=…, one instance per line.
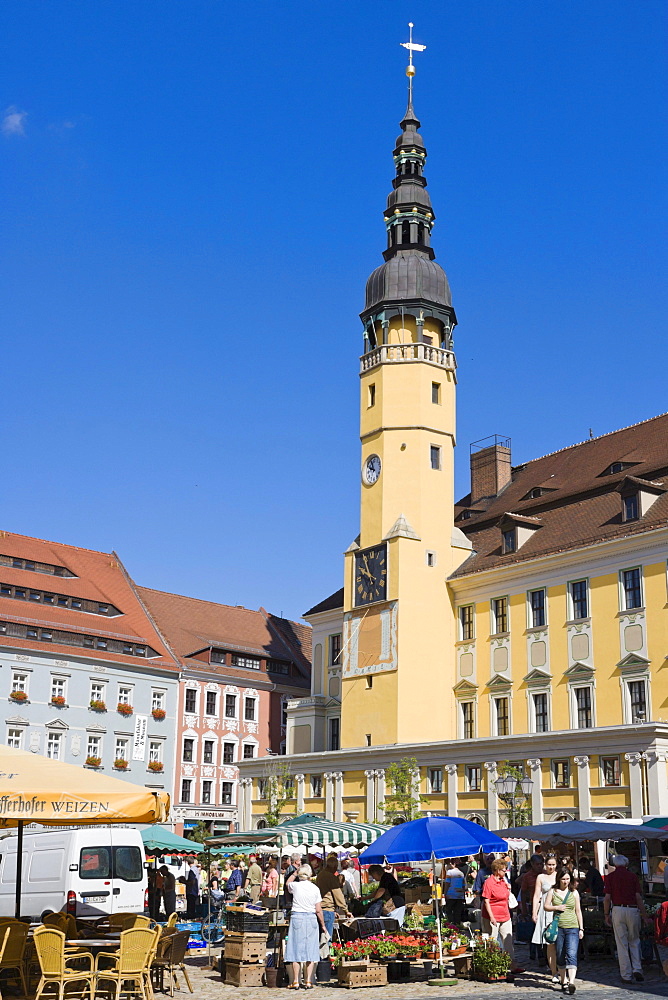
x=598, y=979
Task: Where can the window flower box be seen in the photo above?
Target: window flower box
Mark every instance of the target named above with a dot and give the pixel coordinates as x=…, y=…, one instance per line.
x=19, y=696
x=93, y=761
x=97, y=706
x=124, y=709
x=158, y=714
x=156, y=766
x=59, y=701
x=121, y=764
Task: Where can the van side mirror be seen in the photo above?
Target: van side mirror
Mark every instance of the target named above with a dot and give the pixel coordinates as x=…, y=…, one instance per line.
x=147, y=864
x=74, y=868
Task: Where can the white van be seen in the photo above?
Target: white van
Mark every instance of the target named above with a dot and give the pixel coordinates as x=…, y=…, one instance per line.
x=86, y=871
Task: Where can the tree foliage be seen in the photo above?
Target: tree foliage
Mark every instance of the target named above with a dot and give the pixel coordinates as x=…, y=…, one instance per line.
x=279, y=789
x=403, y=800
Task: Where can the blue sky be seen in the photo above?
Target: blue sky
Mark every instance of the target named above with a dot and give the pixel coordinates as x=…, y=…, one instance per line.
x=192, y=202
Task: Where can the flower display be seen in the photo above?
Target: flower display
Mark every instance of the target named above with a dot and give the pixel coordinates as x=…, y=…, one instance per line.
x=92, y=761
x=18, y=696
x=155, y=765
x=120, y=764
x=124, y=709
x=158, y=714
x=97, y=705
x=58, y=700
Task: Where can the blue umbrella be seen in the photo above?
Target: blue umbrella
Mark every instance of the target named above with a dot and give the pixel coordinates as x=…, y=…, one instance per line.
x=434, y=837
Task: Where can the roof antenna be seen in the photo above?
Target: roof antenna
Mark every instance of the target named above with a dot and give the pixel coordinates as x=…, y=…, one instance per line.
x=591, y=434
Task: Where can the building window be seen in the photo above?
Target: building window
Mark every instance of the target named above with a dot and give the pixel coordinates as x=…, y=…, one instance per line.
x=435, y=779
x=509, y=540
x=579, y=599
x=97, y=691
x=249, y=709
x=230, y=706
x=206, y=792
x=638, y=701
x=583, y=707
x=186, y=787
x=500, y=614
x=466, y=622
x=210, y=703
x=53, y=746
x=227, y=793
x=335, y=649
x=473, y=778
x=94, y=746
x=58, y=687
x=430, y=558
x=121, y=749
x=15, y=739
x=561, y=773
x=468, y=720
x=611, y=771
x=228, y=753
x=208, y=752
x=334, y=734
x=124, y=696
x=249, y=662
x=157, y=701
x=262, y=788
x=316, y=786
x=435, y=456
x=188, y=749
x=20, y=682
x=537, y=605
x=155, y=751
x=249, y=751
x=541, y=722
x=630, y=507
x=191, y=701
x=372, y=395
x=436, y=392
x=632, y=589
x=502, y=717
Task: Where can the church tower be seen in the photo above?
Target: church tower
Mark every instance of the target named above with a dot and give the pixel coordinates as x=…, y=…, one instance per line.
x=398, y=641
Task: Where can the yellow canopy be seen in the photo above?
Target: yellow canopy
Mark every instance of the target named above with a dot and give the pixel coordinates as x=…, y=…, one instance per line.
x=34, y=789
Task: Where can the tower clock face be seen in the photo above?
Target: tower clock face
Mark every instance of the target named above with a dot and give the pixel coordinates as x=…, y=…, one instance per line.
x=372, y=468
x=371, y=575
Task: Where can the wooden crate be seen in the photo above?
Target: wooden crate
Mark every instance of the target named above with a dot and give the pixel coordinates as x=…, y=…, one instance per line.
x=421, y=894
x=355, y=963
x=375, y=975
x=241, y=974
x=243, y=947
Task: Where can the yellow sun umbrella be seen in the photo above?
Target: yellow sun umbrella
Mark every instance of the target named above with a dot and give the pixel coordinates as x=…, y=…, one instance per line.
x=34, y=789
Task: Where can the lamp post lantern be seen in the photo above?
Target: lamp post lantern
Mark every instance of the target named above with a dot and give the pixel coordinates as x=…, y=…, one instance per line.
x=514, y=791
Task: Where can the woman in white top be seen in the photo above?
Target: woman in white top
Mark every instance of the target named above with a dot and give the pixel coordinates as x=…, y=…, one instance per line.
x=303, y=942
x=541, y=917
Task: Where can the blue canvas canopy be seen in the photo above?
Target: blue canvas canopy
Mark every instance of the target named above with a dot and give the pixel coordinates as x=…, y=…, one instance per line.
x=574, y=830
x=432, y=837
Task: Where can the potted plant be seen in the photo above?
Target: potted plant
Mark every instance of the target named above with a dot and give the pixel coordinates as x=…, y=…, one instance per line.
x=58, y=700
x=97, y=705
x=121, y=764
x=19, y=696
x=92, y=761
x=490, y=962
x=158, y=714
x=123, y=709
x=155, y=765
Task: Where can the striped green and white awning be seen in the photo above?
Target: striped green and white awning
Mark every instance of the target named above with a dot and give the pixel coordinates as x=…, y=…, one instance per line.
x=313, y=834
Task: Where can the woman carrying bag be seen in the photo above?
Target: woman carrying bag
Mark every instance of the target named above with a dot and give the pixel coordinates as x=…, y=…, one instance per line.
x=564, y=902
x=541, y=918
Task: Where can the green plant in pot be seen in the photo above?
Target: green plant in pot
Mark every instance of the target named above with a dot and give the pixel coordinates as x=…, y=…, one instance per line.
x=490, y=961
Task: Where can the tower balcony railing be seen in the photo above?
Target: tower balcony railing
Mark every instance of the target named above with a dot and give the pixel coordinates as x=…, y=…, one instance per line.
x=392, y=353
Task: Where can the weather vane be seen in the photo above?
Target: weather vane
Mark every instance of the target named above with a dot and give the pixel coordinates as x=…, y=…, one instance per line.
x=410, y=69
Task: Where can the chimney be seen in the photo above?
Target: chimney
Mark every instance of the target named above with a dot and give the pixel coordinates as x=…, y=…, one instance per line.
x=490, y=466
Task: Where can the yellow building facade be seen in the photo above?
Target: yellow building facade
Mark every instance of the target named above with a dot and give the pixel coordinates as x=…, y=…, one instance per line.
x=526, y=623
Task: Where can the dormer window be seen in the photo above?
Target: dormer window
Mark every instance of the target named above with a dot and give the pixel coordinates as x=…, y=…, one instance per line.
x=510, y=540
x=631, y=507
x=616, y=467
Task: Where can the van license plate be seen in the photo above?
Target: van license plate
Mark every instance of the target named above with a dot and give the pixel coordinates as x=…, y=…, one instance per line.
x=94, y=899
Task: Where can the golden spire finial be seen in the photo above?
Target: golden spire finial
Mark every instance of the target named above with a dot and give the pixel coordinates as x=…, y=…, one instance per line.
x=410, y=69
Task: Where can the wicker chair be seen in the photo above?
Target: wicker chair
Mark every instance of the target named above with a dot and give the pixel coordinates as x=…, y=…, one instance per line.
x=14, y=952
x=131, y=964
x=58, y=920
x=54, y=964
x=170, y=958
x=171, y=920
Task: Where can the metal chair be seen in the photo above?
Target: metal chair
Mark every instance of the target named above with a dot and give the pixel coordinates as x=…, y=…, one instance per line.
x=54, y=964
x=131, y=964
x=170, y=958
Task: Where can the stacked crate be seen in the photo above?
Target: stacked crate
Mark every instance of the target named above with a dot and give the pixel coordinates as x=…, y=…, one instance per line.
x=245, y=946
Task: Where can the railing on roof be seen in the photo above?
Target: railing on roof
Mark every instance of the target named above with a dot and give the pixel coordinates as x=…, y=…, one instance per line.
x=387, y=353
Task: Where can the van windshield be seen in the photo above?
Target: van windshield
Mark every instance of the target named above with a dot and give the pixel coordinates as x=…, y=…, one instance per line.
x=111, y=862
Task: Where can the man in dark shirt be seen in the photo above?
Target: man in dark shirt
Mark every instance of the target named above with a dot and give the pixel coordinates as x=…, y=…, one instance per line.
x=388, y=888
x=235, y=882
x=623, y=906
x=593, y=880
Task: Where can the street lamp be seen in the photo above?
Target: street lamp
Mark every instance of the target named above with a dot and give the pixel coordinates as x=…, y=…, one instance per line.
x=514, y=791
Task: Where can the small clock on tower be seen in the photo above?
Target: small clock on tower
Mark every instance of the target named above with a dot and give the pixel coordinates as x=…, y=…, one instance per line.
x=371, y=575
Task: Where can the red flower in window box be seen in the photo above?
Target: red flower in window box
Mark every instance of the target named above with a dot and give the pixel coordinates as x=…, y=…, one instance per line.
x=58, y=700
x=18, y=696
x=158, y=714
x=93, y=761
x=120, y=764
x=155, y=765
x=124, y=709
x=97, y=705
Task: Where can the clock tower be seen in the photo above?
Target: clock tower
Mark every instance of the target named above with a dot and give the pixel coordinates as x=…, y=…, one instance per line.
x=398, y=641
